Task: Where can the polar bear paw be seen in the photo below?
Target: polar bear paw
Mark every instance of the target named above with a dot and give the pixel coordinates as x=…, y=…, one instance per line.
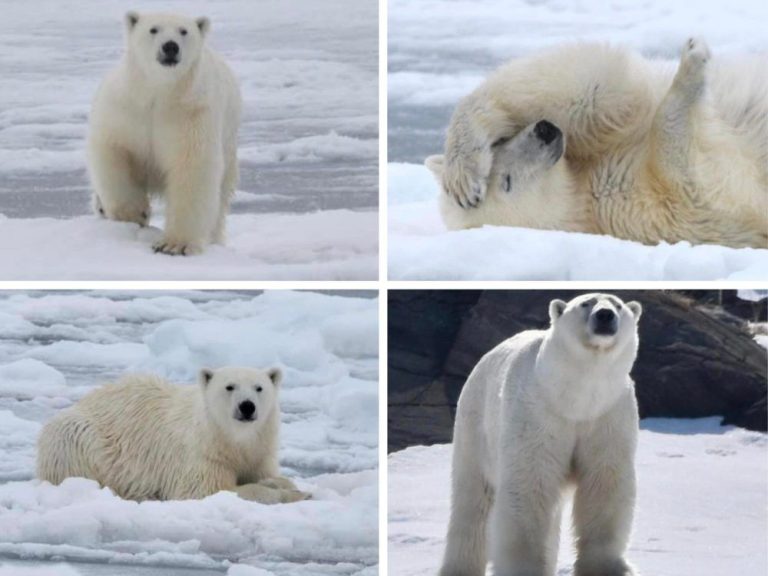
x=172, y=248
x=278, y=483
x=288, y=496
x=693, y=60
x=464, y=182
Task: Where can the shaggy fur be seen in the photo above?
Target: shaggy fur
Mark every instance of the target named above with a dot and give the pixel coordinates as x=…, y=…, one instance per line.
x=167, y=129
x=147, y=439
x=542, y=411
x=644, y=153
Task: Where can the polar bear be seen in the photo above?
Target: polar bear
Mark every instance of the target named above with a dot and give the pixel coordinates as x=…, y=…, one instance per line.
x=165, y=120
x=147, y=439
x=592, y=138
x=541, y=411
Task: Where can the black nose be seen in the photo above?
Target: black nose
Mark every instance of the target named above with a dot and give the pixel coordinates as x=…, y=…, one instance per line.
x=605, y=316
x=546, y=131
x=170, y=48
x=247, y=408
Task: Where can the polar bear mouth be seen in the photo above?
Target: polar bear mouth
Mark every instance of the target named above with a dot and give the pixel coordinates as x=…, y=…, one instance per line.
x=168, y=61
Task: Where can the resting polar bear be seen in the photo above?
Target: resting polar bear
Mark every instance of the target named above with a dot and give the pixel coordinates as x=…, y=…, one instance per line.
x=165, y=120
x=542, y=409
x=150, y=440
x=592, y=138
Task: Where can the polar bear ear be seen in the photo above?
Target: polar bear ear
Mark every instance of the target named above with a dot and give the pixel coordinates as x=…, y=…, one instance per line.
x=276, y=375
x=206, y=375
x=636, y=308
x=436, y=164
x=131, y=19
x=556, y=309
x=203, y=24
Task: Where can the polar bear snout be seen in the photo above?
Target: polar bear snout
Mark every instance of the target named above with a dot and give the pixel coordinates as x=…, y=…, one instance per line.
x=604, y=322
x=169, y=53
x=246, y=411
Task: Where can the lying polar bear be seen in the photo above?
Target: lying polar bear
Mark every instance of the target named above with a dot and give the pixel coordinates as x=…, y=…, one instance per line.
x=147, y=439
x=592, y=138
x=542, y=410
x=165, y=121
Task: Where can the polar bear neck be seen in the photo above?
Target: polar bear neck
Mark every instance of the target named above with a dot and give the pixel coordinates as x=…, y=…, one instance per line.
x=581, y=383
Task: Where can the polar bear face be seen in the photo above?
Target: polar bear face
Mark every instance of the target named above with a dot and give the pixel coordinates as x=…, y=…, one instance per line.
x=165, y=46
x=596, y=322
x=240, y=399
x=530, y=184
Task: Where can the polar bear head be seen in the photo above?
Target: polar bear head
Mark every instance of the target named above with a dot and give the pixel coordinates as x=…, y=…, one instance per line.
x=240, y=399
x=164, y=46
x=530, y=184
x=596, y=323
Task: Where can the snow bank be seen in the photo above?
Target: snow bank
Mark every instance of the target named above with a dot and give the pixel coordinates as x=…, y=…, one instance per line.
x=327, y=346
x=326, y=245
x=701, y=508
x=53, y=570
x=420, y=248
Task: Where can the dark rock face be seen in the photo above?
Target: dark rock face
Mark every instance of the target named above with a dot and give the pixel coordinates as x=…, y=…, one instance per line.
x=695, y=360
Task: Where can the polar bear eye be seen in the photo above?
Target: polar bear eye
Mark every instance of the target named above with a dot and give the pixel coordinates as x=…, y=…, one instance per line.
x=183, y=31
x=584, y=304
x=259, y=388
x=229, y=387
x=153, y=30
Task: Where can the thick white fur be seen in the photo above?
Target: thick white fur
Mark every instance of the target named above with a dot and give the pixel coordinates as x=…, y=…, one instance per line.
x=147, y=439
x=543, y=410
x=170, y=130
x=651, y=153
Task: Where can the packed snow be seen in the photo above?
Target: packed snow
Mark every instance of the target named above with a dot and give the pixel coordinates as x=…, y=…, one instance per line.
x=56, y=347
x=308, y=142
x=439, y=51
x=701, y=506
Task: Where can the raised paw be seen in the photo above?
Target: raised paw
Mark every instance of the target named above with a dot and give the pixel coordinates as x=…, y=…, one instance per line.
x=465, y=185
x=171, y=248
x=693, y=60
x=288, y=496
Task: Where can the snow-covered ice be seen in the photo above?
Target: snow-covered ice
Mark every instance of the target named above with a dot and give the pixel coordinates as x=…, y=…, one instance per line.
x=439, y=51
x=701, y=508
x=308, y=142
x=56, y=347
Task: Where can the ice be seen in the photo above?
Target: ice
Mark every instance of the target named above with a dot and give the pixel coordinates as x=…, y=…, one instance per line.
x=701, y=506
x=420, y=248
x=439, y=51
x=308, y=197
x=325, y=343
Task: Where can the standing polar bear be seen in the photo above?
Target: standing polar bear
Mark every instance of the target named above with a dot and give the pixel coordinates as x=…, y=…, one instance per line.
x=150, y=440
x=165, y=121
x=592, y=138
x=541, y=410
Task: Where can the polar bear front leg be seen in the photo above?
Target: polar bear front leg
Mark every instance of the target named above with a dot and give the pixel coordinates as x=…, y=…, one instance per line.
x=476, y=125
x=117, y=193
x=525, y=524
x=191, y=193
x=604, y=501
x=673, y=127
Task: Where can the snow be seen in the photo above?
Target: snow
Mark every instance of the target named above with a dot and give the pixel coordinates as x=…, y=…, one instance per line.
x=325, y=245
x=439, y=51
x=307, y=204
x=701, y=507
x=327, y=346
